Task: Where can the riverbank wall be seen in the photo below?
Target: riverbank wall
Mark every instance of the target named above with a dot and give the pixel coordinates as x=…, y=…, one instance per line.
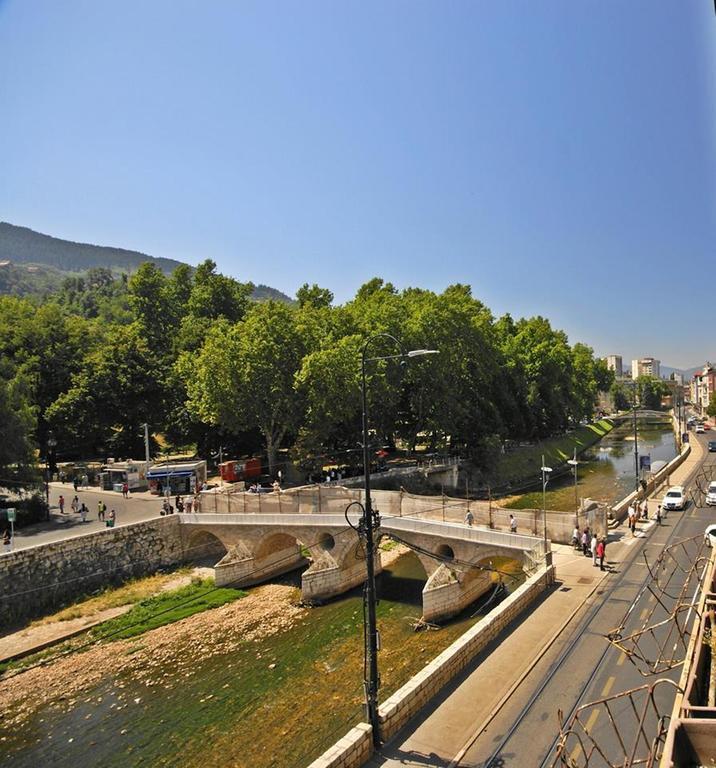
x=37, y=580
x=356, y=747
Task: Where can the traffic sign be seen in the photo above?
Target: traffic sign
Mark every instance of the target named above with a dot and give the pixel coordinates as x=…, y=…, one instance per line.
x=10, y=514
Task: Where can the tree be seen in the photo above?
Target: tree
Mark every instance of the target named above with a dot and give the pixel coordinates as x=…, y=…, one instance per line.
x=244, y=375
x=18, y=422
x=314, y=295
x=711, y=407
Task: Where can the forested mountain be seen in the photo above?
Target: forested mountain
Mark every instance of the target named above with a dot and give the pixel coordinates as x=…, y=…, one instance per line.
x=39, y=263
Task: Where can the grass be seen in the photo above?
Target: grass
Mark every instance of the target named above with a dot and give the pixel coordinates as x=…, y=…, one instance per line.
x=525, y=461
x=166, y=608
x=113, y=597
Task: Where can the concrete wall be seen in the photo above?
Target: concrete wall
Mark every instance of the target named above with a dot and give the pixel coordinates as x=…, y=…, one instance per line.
x=37, y=580
x=356, y=747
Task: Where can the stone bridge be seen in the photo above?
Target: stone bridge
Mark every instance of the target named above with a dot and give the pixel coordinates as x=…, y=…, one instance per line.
x=257, y=547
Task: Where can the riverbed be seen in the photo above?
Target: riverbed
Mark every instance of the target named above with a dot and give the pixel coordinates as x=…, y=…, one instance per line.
x=606, y=471
x=219, y=689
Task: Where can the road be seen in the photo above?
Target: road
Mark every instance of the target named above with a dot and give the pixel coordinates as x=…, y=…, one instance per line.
x=137, y=507
x=585, y=667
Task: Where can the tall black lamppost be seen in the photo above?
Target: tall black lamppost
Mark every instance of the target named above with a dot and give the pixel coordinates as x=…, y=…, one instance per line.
x=51, y=444
x=367, y=529
x=636, y=441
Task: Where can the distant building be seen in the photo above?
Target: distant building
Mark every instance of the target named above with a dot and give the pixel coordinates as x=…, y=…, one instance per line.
x=646, y=366
x=703, y=385
x=614, y=363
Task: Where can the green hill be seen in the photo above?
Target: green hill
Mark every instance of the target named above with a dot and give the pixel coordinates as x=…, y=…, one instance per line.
x=33, y=263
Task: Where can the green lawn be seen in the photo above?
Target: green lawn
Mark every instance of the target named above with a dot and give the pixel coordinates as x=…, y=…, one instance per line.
x=525, y=461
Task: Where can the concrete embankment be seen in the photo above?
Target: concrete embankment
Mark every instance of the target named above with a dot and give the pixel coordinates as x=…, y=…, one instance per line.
x=356, y=747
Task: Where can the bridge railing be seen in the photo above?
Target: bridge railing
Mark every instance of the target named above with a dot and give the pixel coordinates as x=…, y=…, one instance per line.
x=325, y=499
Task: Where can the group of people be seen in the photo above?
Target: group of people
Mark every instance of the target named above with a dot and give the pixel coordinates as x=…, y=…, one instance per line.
x=590, y=544
x=180, y=505
x=638, y=512
x=80, y=508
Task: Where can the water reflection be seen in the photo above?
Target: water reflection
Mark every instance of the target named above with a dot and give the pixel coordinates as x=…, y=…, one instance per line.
x=607, y=470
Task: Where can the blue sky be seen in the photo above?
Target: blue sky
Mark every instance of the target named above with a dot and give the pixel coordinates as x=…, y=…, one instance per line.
x=559, y=156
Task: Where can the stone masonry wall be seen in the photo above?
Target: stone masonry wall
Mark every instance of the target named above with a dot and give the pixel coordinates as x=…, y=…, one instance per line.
x=37, y=580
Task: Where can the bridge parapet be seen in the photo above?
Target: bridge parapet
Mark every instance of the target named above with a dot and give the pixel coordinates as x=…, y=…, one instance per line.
x=456, y=558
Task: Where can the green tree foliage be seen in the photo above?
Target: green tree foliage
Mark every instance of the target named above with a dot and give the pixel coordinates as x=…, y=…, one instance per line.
x=244, y=375
x=711, y=407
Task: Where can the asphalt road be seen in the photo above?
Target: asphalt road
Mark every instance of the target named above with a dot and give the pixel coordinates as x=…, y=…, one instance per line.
x=136, y=508
x=584, y=667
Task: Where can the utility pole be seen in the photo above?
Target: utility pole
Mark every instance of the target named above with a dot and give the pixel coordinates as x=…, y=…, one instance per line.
x=146, y=443
x=636, y=448
x=574, y=464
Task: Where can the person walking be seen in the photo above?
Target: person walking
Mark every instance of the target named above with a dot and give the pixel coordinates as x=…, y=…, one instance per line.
x=658, y=514
x=585, y=542
x=593, y=549
x=645, y=510
x=111, y=518
x=7, y=541
x=100, y=510
x=575, y=537
x=75, y=504
x=61, y=502
x=601, y=551
x=125, y=490
x=75, y=483
x=83, y=512
x=513, y=524
x=188, y=505
x=469, y=518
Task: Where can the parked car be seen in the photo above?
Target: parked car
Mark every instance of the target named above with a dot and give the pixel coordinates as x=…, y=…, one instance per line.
x=706, y=426
x=712, y=446
x=710, y=535
x=700, y=429
x=711, y=494
x=674, y=498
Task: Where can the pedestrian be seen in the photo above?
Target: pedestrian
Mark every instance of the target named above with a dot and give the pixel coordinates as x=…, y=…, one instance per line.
x=601, y=551
x=112, y=517
x=100, y=510
x=85, y=481
x=61, y=502
x=83, y=512
x=180, y=504
x=7, y=541
x=585, y=542
x=188, y=505
x=645, y=510
x=658, y=514
x=469, y=518
x=75, y=483
x=634, y=516
x=125, y=490
x=593, y=549
x=276, y=486
x=575, y=537
x=513, y=524
x=75, y=504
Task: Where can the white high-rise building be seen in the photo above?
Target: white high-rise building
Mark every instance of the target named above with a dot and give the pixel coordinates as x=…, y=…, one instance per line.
x=614, y=363
x=646, y=366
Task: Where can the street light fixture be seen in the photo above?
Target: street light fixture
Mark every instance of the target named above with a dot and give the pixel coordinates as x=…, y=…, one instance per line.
x=546, y=471
x=369, y=525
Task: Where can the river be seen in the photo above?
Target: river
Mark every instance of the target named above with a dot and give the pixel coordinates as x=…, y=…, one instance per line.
x=606, y=470
x=276, y=701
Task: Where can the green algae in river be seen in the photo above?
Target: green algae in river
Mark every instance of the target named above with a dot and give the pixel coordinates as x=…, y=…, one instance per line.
x=240, y=709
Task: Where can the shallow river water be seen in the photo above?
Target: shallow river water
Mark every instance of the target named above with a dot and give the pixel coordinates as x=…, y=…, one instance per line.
x=278, y=701
x=606, y=471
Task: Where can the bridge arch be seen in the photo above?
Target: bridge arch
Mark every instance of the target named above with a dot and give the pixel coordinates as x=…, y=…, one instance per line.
x=203, y=547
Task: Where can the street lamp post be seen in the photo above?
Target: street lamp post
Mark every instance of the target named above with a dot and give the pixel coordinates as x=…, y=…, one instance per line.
x=51, y=444
x=368, y=527
x=545, y=479
x=574, y=463
x=636, y=446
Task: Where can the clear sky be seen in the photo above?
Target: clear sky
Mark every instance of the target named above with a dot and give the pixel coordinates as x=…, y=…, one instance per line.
x=559, y=156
